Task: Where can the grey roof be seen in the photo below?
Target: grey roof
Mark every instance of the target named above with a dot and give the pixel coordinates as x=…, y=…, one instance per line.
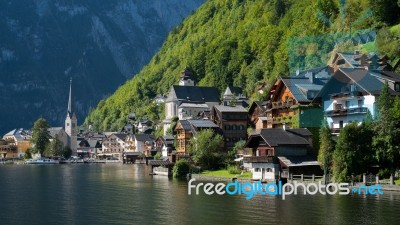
x=370, y=81
x=93, y=143
x=144, y=137
x=299, y=86
x=300, y=131
x=193, y=94
x=193, y=105
x=291, y=161
x=185, y=125
x=121, y=136
x=237, y=108
x=54, y=131
x=279, y=136
x=202, y=123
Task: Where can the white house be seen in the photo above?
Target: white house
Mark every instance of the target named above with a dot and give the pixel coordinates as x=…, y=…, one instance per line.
x=191, y=99
x=352, y=92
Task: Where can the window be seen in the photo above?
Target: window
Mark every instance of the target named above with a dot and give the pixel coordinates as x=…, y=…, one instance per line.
x=397, y=87
x=360, y=103
x=257, y=169
x=341, y=124
x=347, y=104
x=269, y=170
x=233, y=127
x=227, y=127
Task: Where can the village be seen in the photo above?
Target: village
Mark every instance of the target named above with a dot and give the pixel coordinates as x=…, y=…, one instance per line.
x=273, y=139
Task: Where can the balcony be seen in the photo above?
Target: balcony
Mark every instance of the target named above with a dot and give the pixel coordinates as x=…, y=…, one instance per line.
x=350, y=94
x=346, y=111
x=282, y=105
x=258, y=159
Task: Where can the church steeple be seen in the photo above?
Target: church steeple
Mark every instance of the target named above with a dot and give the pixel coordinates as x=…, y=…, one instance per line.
x=70, y=98
x=71, y=124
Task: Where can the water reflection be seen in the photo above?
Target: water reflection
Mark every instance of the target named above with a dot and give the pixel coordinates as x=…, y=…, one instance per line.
x=127, y=194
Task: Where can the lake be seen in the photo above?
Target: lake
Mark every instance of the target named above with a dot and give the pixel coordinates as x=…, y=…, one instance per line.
x=127, y=194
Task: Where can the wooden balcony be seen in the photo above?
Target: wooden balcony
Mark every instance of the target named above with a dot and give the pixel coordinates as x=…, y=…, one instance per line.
x=258, y=159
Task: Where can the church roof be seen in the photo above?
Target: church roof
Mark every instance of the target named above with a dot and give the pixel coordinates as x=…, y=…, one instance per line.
x=193, y=94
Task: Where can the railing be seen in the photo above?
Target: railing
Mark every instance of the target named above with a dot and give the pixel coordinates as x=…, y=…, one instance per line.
x=346, y=94
x=344, y=112
x=258, y=159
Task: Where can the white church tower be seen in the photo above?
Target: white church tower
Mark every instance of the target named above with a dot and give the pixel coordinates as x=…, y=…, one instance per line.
x=71, y=124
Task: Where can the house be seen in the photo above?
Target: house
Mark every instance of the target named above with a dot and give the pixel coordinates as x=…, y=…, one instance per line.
x=141, y=143
x=272, y=145
x=60, y=133
x=234, y=95
x=187, y=129
x=160, y=99
x=187, y=101
x=232, y=120
x=352, y=92
x=89, y=148
x=291, y=99
x=144, y=125
x=113, y=146
x=8, y=149
x=258, y=115
x=357, y=60
x=165, y=145
x=20, y=138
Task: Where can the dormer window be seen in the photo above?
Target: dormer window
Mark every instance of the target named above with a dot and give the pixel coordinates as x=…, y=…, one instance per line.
x=397, y=86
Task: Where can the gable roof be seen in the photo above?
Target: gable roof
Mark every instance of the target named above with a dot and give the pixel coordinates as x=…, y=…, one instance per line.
x=299, y=86
x=366, y=81
x=231, y=90
x=144, y=137
x=224, y=108
x=193, y=94
x=279, y=137
x=53, y=131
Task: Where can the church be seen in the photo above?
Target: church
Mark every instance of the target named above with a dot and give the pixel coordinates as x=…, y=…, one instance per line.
x=186, y=100
x=71, y=124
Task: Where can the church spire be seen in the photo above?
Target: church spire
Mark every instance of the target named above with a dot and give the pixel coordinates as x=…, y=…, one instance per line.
x=70, y=97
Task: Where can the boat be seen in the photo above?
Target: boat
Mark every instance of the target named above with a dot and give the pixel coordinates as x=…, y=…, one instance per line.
x=42, y=161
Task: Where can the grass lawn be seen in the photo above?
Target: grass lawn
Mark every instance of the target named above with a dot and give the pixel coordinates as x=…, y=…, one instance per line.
x=225, y=173
x=397, y=182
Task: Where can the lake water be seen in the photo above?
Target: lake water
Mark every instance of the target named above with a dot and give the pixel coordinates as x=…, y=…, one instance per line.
x=126, y=194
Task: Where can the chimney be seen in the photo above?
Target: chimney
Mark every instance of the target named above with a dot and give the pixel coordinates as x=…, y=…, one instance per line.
x=285, y=126
x=311, y=77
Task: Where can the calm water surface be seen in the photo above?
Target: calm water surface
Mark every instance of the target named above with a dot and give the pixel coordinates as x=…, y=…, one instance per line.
x=126, y=194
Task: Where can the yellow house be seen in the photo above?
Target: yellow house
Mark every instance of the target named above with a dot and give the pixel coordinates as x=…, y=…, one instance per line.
x=19, y=138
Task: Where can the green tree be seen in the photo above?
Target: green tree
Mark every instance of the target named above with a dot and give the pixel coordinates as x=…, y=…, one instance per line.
x=181, y=168
x=67, y=152
x=206, y=149
x=386, y=11
x=55, y=148
x=352, y=154
x=326, y=148
x=40, y=136
x=385, y=141
x=171, y=129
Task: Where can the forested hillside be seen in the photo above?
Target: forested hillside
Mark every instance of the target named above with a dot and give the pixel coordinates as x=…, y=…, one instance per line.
x=243, y=43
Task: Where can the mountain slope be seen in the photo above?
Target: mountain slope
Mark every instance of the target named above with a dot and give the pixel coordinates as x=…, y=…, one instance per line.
x=240, y=43
x=100, y=44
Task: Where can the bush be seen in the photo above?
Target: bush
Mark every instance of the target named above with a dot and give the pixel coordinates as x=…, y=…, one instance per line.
x=234, y=169
x=157, y=156
x=181, y=168
x=384, y=173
